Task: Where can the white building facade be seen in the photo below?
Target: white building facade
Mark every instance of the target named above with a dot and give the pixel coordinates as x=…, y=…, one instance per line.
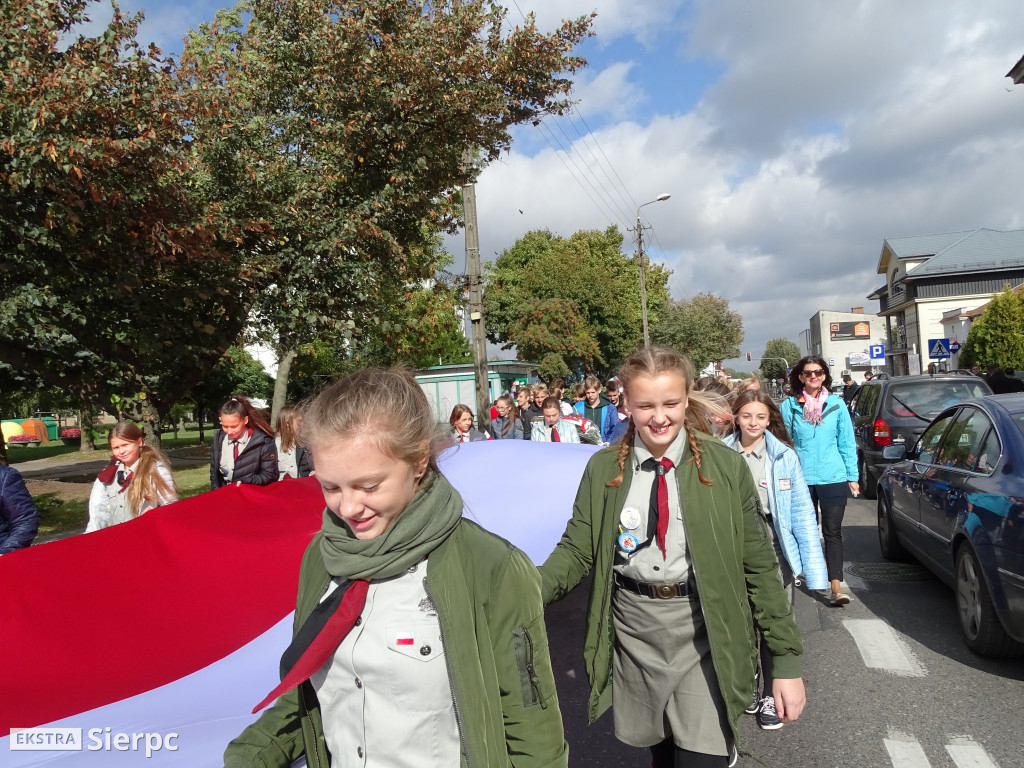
x=932, y=284
x=844, y=340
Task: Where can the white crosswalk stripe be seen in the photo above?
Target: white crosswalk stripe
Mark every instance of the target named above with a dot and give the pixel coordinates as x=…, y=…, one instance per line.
x=967, y=753
x=881, y=648
x=905, y=751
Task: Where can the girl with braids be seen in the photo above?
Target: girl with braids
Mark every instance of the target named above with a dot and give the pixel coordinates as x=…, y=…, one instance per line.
x=670, y=524
x=760, y=438
x=243, y=448
x=418, y=636
x=136, y=480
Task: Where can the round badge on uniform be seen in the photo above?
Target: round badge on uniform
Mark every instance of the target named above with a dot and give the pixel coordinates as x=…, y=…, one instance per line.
x=630, y=518
x=628, y=542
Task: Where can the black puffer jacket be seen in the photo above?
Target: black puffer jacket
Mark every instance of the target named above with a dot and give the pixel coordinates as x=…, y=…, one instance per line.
x=19, y=519
x=256, y=464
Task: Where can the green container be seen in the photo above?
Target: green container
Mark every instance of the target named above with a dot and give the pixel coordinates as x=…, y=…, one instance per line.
x=51, y=426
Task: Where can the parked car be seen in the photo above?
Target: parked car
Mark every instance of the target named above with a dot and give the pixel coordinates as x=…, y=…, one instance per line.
x=955, y=500
x=894, y=410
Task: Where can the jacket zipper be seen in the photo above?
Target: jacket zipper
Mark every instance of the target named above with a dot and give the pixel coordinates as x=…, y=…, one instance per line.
x=309, y=718
x=302, y=697
x=451, y=676
x=525, y=660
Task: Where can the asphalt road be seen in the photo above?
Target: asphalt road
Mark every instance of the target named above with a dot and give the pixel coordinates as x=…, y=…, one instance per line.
x=926, y=701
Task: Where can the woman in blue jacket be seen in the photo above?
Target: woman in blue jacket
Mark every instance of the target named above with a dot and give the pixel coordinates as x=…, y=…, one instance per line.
x=760, y=437
x=822, y=433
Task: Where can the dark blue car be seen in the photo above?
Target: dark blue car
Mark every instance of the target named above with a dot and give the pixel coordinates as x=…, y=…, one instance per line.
x=956, y=502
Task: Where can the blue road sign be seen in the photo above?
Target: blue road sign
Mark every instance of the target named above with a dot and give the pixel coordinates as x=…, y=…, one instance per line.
x=954, y=347
x=877, y=351
x=938, y=349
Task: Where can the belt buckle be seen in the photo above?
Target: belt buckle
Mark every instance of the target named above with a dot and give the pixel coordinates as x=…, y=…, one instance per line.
x=666, y=591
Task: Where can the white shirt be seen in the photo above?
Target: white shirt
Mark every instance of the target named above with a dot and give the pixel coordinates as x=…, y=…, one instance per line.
x=108, y=504
x=287, y=461
x=385, y=697
x=648, y=563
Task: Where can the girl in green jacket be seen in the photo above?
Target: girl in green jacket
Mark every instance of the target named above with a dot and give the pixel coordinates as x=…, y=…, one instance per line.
x=670, y=523
x=419, y=637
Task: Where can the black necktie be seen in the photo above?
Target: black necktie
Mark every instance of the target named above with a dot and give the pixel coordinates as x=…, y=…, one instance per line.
x=319, y=637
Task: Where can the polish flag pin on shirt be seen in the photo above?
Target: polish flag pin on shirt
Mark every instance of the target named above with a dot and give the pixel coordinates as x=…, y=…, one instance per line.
x=405, y=638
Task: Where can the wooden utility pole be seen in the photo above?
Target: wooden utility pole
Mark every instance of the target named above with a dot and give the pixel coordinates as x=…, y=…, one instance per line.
x=475, y=306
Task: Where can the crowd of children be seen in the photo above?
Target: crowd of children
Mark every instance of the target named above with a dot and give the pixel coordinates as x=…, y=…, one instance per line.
x=697, y=522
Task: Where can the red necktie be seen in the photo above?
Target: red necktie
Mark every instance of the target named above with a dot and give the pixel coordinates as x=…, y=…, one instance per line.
x=235, y=442
x=555, y=437
x=659, y=500
x=330, y=621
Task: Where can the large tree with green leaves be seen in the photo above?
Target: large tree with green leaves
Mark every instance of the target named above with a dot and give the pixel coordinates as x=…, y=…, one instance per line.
x=237, y=372
x=703, y=328
x=997, y=335
x=340, y=142
x=576, y=298
x=112, y=283
x=778, y=353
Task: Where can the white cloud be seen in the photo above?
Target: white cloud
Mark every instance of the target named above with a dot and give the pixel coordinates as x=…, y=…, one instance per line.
x=832, y=127
x=641, y=20
x=609, y=93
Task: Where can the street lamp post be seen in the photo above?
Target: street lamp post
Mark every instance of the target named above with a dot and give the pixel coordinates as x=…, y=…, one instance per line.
x=643, y=264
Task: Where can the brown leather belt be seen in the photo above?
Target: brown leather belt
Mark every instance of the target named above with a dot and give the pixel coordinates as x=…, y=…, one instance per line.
x=659, y=590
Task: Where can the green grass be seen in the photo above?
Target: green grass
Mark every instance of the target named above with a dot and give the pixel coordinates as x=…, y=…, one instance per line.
x=58, y=516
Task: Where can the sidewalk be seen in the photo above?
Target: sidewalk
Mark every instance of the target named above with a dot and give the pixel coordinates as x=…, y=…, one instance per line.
x=82, y=467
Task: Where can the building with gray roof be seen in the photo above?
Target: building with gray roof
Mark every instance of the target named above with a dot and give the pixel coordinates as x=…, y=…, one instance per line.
x=932, y=279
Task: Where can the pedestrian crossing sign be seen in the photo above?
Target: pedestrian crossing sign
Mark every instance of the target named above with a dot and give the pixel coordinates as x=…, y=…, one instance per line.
x=938, y=349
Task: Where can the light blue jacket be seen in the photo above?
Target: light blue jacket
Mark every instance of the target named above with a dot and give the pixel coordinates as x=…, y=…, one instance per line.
x=827, y=451
x=789, y=501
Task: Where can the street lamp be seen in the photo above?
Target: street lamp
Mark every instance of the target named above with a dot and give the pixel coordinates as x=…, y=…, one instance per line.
x=643, y=264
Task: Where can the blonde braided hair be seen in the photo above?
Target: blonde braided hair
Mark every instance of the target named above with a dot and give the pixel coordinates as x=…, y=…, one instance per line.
x=654, y=361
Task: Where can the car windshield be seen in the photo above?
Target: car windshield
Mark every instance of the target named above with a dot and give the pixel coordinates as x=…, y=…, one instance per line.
x=926, y=400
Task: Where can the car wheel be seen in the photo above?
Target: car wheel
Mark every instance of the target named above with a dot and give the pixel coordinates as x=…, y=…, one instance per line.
x=868, y=484
x=888, y=541
x=985, y=635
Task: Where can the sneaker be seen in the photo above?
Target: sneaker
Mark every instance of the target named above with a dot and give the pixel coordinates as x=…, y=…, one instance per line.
x=840, y=598
x=767, y=717
x=755, y=703
x=734, y=757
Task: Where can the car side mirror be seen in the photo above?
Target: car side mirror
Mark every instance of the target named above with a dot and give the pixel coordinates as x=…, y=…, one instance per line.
x=894, y=452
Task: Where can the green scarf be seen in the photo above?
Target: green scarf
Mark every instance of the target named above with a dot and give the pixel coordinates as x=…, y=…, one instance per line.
x=429, y=519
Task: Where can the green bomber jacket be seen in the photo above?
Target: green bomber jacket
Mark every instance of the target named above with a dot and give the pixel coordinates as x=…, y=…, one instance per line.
x=487, y=595
x=734, y=565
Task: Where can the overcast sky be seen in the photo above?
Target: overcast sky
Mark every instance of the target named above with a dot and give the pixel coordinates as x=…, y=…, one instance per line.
x=794, y=137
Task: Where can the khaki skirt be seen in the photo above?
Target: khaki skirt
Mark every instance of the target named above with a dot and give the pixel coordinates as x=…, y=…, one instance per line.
x=663, y=681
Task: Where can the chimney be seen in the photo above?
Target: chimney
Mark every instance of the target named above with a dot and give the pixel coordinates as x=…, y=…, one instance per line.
x=857, y=310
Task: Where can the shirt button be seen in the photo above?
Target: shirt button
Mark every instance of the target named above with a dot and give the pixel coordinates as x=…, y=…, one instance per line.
x=425, y=650
x=359, y=621
x=359, y=751
x=359, y=683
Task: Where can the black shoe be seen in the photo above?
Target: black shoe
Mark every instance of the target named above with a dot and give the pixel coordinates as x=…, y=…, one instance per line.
x=755, y=703
x=767, y=717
